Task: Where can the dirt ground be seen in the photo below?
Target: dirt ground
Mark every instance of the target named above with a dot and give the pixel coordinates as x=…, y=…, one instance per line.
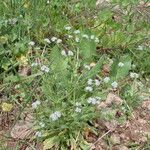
x=112, y=136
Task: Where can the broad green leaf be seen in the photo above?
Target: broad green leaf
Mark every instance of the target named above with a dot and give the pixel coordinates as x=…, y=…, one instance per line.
x=96, y=68
x=123, y=71
x=120, y=72
x=49, y=143
x=87, y=50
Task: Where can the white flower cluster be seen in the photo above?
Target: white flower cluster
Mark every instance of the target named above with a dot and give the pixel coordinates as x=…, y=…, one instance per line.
x=92, y=37
x=34, y=64
x=106, y=79
x=36, y=104
x=134, y=75
x=114, y=84
x=70, y=36
x=93, y=100
x=78, y=107
x=87, y=67
x=96, y=82
x=77, y=39
x=55, y=39
x=38, y=134
x=77, y=32
x=140, y=48
x=67, y=28
x=120, y=64
x=85, y=36
x=55, y=116
x=64, y=53
x=12, y=21
x=88, y=89
x=42, y=124
x=31, y=43
x=47, y=41
x=44, y=69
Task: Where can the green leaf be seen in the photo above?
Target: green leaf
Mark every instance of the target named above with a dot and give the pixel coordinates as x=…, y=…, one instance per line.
x=87, y=50
x=58, y=62
x=120, y=72
x=96, y=68
x=49, y=143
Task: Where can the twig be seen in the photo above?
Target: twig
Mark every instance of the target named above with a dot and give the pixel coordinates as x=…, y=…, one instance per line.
x=101, y=137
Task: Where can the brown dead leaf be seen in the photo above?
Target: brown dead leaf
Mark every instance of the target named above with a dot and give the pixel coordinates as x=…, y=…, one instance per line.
x=24, y=70
x=106, y=69
x=22, y=130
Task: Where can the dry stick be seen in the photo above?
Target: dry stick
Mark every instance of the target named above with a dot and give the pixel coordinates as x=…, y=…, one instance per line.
x=101, y=137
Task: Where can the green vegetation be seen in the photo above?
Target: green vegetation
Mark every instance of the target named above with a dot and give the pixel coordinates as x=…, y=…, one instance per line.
x=52, y=58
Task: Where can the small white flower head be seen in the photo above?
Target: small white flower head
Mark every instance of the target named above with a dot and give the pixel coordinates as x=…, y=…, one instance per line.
x=48, y=2
x=77, y=39
x=98, y=98
x=77, y=32
x=35, y=104
x=70, y=36
x=55, y=116
x=90, y=82
x=31, y=43
x=134, y=75
x=53, y=39
x=92, y=37
x=114, y=84
x=140, y=48
x=34, y=64
x=63, y=53
x=42, y=124
x=87, y=67
x=12, y=21
x=59, y=41
x=45, y=69
x=88, y=89
x=78, y=110
x=17, y=86
x=85, y=36
x=92, y=101
x=47, y=41
x=120, y=64
x=97, y=82
x=96, y=40
x=78, y=104
x=106, y=79
x=38, y=134
x=67, y=28
x=70, y=53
